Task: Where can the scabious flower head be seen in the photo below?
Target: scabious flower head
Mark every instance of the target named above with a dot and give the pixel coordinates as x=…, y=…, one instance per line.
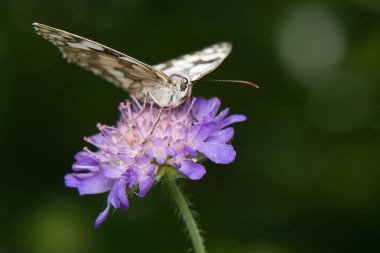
x=129, y=160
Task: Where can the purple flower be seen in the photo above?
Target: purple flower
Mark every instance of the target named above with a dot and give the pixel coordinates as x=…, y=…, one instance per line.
x=128, y=160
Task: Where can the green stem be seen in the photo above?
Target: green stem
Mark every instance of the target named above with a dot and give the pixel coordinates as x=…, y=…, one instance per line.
x=186, y=215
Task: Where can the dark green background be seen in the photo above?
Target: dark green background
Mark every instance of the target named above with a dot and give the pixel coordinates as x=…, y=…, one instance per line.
x=306, y=176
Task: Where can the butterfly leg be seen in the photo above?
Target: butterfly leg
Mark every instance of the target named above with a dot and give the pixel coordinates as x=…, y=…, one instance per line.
x=156, y=121
x=159, y=112
x=143, y=107
x=154, y=125
x=158, y=116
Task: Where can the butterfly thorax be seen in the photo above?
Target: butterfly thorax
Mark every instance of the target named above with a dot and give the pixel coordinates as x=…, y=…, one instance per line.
x=173, y=93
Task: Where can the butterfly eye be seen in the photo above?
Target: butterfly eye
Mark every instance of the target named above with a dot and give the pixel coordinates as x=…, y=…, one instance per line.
x=183, y=86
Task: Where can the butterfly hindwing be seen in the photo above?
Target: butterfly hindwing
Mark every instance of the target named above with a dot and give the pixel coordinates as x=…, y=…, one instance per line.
x=118, y=68
x=197, y=64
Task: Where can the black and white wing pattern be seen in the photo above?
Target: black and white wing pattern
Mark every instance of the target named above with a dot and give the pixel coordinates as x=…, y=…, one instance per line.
x=118, y=68
x=197, y=64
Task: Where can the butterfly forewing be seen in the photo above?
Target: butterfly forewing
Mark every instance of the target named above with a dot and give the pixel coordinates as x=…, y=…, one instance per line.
x=165, y=84
x=118, y=68
x=197, y=64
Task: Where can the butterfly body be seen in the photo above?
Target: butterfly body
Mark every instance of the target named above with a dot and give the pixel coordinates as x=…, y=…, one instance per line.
x=167, y=84
x=166, y=95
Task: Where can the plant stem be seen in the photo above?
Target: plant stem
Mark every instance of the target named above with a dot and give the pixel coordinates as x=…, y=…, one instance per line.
x=187, y=216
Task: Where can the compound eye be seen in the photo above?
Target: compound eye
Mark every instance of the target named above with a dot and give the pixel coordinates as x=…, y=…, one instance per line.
x=183, y=86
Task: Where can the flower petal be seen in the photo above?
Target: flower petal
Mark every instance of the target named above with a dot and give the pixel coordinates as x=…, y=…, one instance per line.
x=170, y=151
x=95, y=183
x=221, y=136
x=97, y=140
x=233, y=119
x=160, y=160
x=85, y=161
x=113, y=198
x=82, y=155
x=111, y=173
x=102, y=216
x=131, y=175
x=218, y=119
x=189, y=150
x=123, y=200
x=212, y=106
x=218, y=153
x=205, y=109
x=72, y=180
x=145, y=185
x=193, y=170
x=201, y=131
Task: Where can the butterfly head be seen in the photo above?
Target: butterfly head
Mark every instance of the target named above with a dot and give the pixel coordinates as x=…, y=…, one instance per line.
x=182, y=87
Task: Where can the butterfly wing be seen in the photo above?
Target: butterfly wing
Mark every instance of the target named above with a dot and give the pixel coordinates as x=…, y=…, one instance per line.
x=197, y=64
x=118, y=68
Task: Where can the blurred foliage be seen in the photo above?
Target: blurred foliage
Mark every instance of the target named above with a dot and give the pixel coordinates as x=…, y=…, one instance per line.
x=306, y=177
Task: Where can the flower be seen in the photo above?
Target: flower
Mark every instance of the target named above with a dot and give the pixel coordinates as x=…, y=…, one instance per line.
x=130, y=160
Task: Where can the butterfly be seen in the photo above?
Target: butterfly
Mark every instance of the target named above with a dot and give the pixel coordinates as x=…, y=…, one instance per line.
x=167, y=84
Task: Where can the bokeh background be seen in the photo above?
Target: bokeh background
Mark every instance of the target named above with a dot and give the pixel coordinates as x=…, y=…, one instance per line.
x=306, y=177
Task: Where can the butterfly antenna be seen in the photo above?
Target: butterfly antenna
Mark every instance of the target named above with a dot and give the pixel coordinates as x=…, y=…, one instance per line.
x=228, y=81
